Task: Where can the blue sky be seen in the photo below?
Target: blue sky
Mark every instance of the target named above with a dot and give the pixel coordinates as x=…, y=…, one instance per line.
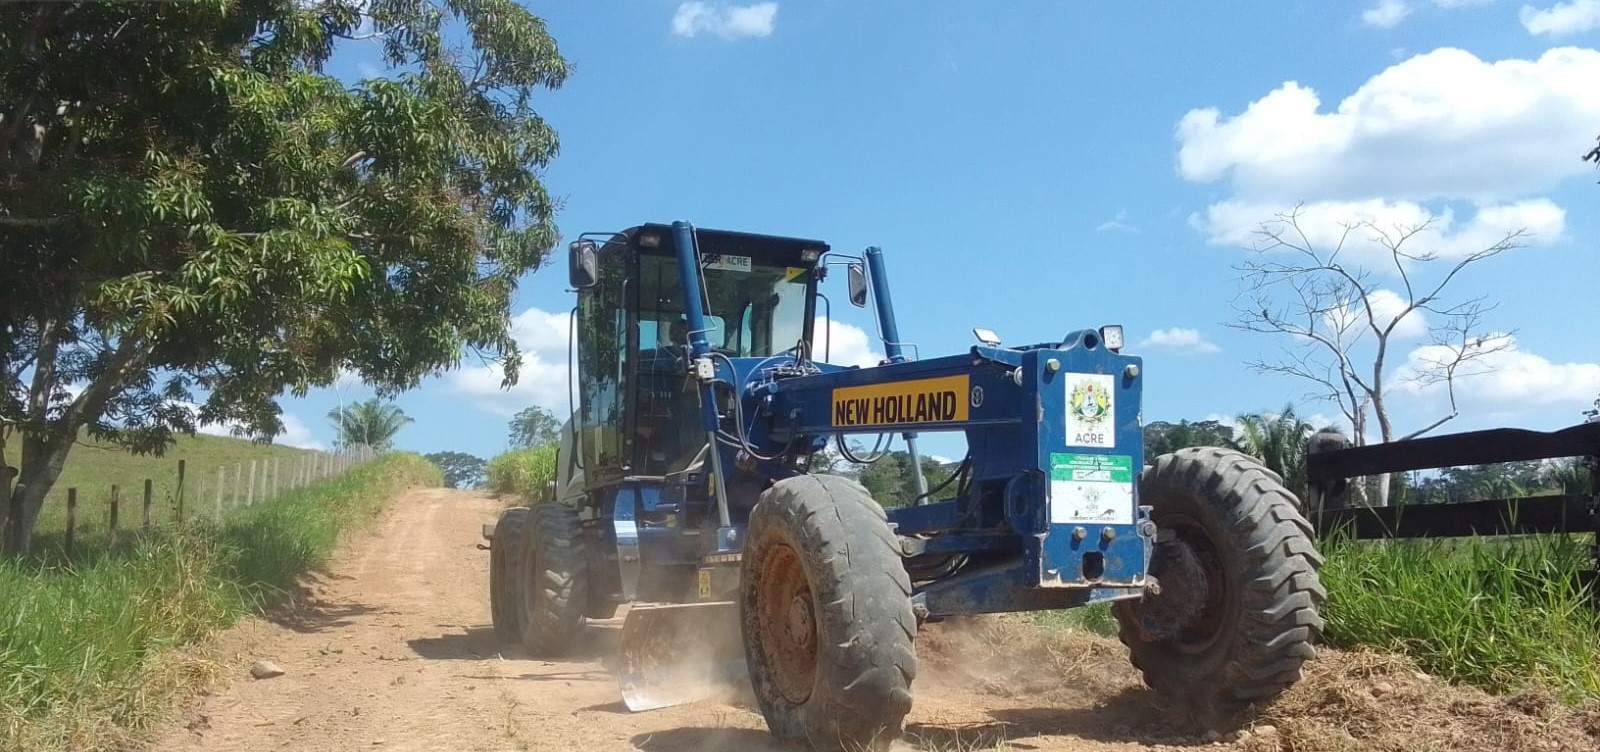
x=1047, y=167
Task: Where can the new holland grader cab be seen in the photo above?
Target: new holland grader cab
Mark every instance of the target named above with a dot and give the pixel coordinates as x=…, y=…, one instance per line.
x=685, y=493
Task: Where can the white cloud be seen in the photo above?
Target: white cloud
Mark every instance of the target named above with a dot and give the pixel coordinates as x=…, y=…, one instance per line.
x=1505, y=376
x=542, y=378
x=1180, y=340
x=851, y=345
x=295, y=432
x=725, y=20
x=1572, y=17
x=1236, y=222
x=348, y=378
x=1119, y=224
x=1386, y=14
x=1386, y=305
x=1231, y=421
x=1443, y=125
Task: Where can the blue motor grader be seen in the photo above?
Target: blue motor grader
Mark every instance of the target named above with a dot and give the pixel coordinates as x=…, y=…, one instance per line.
x=687, y=492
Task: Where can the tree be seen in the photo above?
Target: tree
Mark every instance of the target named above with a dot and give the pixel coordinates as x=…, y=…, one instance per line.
x=534, y=426
x=1341, y=324
x=461, y=470
x=194, y=218
x=890, y=481
x=1279, y=441
x=1161, y=437
x=372, y=423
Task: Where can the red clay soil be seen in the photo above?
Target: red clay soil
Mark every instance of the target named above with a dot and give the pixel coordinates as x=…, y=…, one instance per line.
x=392, y=650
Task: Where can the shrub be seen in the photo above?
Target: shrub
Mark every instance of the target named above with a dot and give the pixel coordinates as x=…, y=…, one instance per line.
x=524, y=473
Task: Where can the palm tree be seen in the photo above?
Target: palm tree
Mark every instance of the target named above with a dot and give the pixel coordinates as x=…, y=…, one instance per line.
x=1279, y=441
x=371, y=423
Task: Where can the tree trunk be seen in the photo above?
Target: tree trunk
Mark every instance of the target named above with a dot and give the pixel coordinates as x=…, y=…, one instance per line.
x=1387, y=432
x=42, y=460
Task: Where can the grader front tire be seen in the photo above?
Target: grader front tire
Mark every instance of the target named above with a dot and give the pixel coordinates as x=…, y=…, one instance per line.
x=505, y=574
x=555, y=580
x=826, y=616
x=1237, y=615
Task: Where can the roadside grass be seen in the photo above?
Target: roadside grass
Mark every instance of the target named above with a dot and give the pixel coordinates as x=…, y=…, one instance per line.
x=523, y=474
x=93, y=467
x=90, y=647
x=1505, y=614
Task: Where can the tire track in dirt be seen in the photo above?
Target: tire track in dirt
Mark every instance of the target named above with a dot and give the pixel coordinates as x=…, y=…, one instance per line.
x=393, y=650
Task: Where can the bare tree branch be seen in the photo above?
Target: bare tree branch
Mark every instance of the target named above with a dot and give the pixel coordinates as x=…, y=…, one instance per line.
x=1329, y=307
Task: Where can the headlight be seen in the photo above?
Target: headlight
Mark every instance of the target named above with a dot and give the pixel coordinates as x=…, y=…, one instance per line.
x=1112, y=336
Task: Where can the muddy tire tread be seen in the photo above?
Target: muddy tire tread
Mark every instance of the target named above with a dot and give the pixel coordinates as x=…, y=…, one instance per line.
x=1280, y=593
x=867, y=658
x=557, y=579
x=505, y=567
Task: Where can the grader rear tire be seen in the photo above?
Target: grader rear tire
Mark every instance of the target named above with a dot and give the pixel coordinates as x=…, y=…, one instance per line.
x=505, y=570
x=555, y=580
x=826, y=616
x=1237, y=615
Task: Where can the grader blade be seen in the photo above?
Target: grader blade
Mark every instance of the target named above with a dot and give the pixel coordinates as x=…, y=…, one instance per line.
x=680, y=653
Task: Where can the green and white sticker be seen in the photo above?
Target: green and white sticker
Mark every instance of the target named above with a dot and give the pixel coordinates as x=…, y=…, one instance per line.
x=1091, y=489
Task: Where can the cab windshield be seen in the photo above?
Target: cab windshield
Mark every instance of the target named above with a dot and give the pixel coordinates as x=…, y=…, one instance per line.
x=754, y=310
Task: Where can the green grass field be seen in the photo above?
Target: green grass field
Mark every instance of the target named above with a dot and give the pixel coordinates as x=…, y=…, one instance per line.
x=1506, y=614
x=94, y=468
x=91, y=648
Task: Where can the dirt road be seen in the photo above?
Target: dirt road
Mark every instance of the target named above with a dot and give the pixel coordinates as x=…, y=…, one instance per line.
x=394, y=651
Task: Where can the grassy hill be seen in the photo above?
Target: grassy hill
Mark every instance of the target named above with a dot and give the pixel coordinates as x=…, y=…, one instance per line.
x=93, y=468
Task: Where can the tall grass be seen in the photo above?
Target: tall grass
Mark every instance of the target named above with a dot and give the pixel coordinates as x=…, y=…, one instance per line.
x=87, y=657
x=1505, y=614
x=524, y=473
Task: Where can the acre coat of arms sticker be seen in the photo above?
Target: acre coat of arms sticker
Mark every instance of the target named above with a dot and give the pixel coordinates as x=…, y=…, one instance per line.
x=1091, y=411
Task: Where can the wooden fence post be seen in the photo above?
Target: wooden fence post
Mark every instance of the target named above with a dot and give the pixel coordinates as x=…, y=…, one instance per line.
x=181, y=469
x=277, y=476
x=222, y=482
x=72, y=517
x=114, y=502
x=250, y=495
x=238, y=480
x=149, y=496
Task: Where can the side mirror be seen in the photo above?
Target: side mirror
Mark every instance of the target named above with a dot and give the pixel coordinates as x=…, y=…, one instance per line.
x=583, y=264
x=858, y=286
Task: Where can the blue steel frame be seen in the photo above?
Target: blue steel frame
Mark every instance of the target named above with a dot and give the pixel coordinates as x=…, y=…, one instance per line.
x=1009, y=542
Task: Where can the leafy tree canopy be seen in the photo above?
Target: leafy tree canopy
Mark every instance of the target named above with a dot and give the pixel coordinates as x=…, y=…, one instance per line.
x=195, y=218
x=534, y=426
x=892, y=484
x=461, y=470
x=1161, y=437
